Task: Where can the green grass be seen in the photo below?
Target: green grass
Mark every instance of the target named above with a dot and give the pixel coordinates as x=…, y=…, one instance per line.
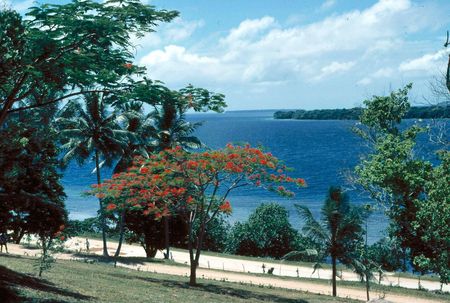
x=70, y=281
x=351, y=284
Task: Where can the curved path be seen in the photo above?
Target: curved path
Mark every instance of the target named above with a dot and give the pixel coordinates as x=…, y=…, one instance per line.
x=242, y=271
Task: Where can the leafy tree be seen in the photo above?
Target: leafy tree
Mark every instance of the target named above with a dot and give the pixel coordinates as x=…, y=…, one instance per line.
x=432, y=223
x=216, y=234
x=149, y=233
x=388, y=253
x=165, y=126
x=132, y=119
x=195, y=186
x=405, y=183
x=339, y=232
x=76, y=45
x=75, y=228
x=267, y=233
x=90, y=130
x=31, y=196
x=392, y=174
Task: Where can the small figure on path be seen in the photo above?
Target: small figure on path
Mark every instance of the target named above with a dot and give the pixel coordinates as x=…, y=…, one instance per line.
x=4, y=242
x=264, y=268
x=87, y=245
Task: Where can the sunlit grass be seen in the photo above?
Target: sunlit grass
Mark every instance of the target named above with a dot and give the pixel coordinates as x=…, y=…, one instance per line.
x=70, y=281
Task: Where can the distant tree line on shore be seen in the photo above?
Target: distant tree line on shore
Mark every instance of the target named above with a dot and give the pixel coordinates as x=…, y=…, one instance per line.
x=415, y=112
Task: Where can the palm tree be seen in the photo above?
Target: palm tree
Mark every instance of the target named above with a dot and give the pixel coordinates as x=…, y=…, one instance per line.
x=133, y=120
x=339, y=231
x=172, y=130
x=91, y=130
x=172, y=127
x=163, y=128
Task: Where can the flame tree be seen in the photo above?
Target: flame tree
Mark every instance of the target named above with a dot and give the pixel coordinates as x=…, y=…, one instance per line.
x=194, y=186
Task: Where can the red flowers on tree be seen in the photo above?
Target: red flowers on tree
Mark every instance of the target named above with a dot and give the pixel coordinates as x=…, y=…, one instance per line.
x=194, y=185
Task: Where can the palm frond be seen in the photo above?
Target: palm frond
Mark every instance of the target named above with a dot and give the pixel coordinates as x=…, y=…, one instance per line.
x=312, y=227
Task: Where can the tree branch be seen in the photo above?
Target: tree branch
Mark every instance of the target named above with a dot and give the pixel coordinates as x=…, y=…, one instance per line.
x=56, y=100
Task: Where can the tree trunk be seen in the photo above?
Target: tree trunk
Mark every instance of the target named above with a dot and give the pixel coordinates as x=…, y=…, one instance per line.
x=333, y=278
x=367, y=286
x=102, y=213
x=150, y=252
x=367, y=263
x=18, y=235
x=447, y=78
x=195, y=261
x=44, y=255
x=121, y=232
x=193, y=276
x=166, y=237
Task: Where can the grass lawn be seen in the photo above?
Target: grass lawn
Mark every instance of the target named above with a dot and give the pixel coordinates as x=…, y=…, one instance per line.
x=70, y=281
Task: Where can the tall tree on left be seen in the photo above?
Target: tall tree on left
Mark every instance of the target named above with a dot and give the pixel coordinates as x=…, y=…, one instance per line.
x=31, y=196
x=62, y=49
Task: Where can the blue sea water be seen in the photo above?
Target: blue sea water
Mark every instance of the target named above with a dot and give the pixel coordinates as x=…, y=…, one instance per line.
x=321, y=152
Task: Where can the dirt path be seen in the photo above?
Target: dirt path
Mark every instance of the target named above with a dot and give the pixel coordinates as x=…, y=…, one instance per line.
x=229, y=271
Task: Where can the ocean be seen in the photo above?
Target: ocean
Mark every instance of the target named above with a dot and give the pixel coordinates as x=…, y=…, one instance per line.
x=321, y=152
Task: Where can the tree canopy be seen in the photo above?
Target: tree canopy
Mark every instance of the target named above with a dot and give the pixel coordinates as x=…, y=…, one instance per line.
x=70, y=48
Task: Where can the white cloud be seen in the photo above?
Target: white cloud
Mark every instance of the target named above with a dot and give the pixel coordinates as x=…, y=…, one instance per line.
x=248, y=29
x=328, y=4
x=169, y=33
x=19, y=6
x=364, y=81
x=180, y=29
x=265, y=51
x=384, y=72
x=335, y=67
x=427, y=62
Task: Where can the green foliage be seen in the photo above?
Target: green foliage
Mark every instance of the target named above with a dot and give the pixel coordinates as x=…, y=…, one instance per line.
x=384, y=113
x=340, y=230
x=320, y=114
x=48, y=246
x=387, y=253
x=338, y=234
x=78, y=44
x=439, y=111
x=31, y=196
x=149, y=233
x=266, y=233
x=89, y=130
x=414, y=192
x=81, y=227
x=216, y=233
x=432, y=223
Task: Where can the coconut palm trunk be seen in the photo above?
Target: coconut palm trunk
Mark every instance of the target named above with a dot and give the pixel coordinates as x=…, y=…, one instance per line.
x=333, y=278
x=101, y=210
x=121, y=232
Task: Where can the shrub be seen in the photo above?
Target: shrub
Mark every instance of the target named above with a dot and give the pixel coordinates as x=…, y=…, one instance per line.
x=267, y=233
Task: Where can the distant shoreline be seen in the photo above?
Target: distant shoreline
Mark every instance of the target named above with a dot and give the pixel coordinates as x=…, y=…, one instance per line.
x=415, y=112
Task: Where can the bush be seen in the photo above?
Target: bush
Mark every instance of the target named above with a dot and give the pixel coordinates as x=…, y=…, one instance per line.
x=267, y=233
x=87, y=226
x=387, y=253
x=216, y=234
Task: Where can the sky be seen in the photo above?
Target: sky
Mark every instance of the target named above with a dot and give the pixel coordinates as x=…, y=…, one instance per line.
x=291, y=54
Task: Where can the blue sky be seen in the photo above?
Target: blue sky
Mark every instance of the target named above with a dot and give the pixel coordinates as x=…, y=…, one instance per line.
x=270, y=54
